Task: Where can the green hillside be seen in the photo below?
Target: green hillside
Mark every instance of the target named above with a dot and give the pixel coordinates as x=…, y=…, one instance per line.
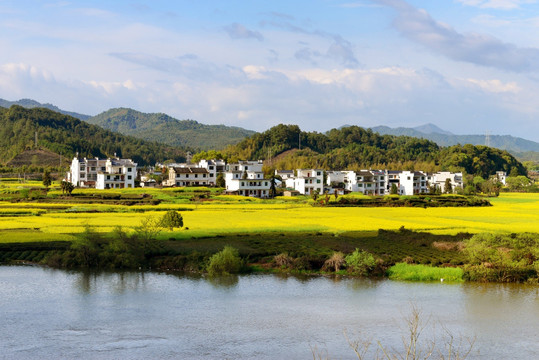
x=168, y=130
x=66, y=135
x=353, y=148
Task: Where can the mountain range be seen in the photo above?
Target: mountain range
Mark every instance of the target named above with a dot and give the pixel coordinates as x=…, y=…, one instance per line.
x=162, y=128
x=30, y=104
x=168, y=130
x=514, y=145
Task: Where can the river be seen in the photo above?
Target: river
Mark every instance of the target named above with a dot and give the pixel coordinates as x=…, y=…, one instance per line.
x=47, y=313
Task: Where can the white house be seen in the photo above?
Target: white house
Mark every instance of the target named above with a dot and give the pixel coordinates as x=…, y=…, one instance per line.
x=439, y=179
x=412, y=183
x=285, y=174
x=501, y=175
x=118, y=174
x=307, y=181
x=246, y=178
x=188, y=176
x=98, y=173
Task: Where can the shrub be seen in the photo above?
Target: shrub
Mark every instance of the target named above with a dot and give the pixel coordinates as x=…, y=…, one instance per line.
x=283, y=260
x=335, y=261
x=360, y=262
x=225, y=262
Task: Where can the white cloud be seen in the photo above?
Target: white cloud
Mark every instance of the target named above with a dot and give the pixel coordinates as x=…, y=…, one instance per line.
x=480, y=49
x=495, y=86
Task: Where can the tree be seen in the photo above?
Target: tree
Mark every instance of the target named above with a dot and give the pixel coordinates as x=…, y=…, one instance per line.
x=448, y=187
x=360, y=262
x=394, y=190
x=171, y=220
x=272, y=190
x=220, y=180
x=315, y=194
x=517, y=183
x=67, y=187
x=148, y=229
x=47, y=178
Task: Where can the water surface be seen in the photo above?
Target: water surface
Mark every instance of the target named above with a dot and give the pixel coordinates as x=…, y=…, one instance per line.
x=48, y=313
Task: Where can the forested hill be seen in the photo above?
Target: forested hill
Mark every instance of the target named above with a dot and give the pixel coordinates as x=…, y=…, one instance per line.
x=30, y=104
x=66, y=135
x=168, y=130
x=353, y=148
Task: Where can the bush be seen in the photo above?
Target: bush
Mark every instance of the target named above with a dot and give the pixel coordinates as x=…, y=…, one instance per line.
x=360, y=262
x=225, y=262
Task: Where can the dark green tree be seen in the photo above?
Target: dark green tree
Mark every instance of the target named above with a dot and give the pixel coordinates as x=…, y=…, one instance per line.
x=220, y=180
x=171, y=220
x=67, y=187
x=448, y=187
x=394, y=190
x=47, y=178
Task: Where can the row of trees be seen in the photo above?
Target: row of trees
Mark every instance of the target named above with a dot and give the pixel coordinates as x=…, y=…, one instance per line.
x=355, y=148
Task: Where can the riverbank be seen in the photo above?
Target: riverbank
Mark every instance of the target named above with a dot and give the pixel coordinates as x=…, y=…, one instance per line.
x=484, y=257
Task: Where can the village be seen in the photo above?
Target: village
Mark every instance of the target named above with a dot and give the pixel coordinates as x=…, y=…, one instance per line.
x=247, y=178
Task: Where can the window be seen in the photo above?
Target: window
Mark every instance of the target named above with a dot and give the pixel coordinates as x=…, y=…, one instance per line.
x=103, y=168
x=211, y=167
x=211, y=175
x=318, y=181
x=128, y=169
x=128, y=177
x=187, y=176
x=247, y=168
x=93, y=168
x=242, y=183
x=318, y=173
x=82, y=168
x=196, y=175
x=203, y=175
x=408, y=178
x=108, y=177
x=265, y=183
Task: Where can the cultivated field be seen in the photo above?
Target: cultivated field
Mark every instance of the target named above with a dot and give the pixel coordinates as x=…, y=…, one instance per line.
x=54, y=218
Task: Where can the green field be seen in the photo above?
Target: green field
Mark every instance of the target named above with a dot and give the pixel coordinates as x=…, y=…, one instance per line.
x=207, y=214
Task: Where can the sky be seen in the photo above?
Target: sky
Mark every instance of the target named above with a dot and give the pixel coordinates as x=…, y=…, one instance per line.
x=467, y=66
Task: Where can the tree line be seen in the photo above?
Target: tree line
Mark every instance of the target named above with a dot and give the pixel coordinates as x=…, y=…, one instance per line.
x=355, y=148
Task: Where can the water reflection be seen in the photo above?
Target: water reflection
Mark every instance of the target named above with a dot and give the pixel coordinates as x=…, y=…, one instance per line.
x=226, y=282
x=87, y=282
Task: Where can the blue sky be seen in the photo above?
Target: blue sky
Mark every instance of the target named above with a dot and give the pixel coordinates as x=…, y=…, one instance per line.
x=468, y=66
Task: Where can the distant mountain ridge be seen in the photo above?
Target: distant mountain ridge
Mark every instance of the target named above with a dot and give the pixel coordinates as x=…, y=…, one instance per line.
x=30, y=104
x=168, y=130
x=431, y=132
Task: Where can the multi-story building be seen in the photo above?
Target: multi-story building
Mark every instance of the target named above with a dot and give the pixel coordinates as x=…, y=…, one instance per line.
x=117, y=173
x=439, y=180
x=188, y=176
x=246, y=178
x=307, y=181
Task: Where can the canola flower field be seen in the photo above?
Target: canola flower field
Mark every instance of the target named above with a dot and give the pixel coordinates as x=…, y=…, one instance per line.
x=220, y=215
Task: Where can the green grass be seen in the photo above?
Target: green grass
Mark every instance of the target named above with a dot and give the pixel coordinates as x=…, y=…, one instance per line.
x=409, y=272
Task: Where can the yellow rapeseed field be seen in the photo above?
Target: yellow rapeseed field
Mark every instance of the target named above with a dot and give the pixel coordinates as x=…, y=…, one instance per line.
x=510, y=212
